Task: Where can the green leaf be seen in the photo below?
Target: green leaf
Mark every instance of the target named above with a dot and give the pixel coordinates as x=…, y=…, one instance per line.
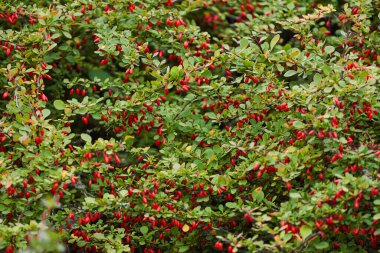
x=274, y=41
x=203, y=199
x=248, y=64
x=59, y=105
x=376, y=217
x=81, y=243
x=305, y=231
x=67, y=34
x=221, y=180
x=207, y=74
x=298, y=124
x=29, y=214
x=45, y=113
x=174, y=72
x=290, y=6
x=280, y=67
x=322, y=245
x=327, y=89
x=90, y=200
x=258, y=195
x=86, y=137
x=287, y=237
x=294, y=53
x=244, y=42
x=294, y=195
x=329, y=49
x=209, y=153
x=183, y=248
x=99, y=236
x=231, y=204
x=144, y=230
x=100, y=74
x=290, y=73
x=326, y=70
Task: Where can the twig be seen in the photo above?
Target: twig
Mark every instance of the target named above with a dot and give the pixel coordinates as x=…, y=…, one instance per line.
x=184, y=107
x=255, y=39
x=23, y=212
x=306, y=241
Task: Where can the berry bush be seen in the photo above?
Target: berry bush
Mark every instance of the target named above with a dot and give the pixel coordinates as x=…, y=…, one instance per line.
x=189, y=126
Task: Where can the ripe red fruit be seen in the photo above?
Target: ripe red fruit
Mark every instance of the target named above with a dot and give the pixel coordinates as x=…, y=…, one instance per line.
x=106, y=158
x=355, y=11
x=38, y=140
x=10, y=249
x=248, y=218
x=117, y=159
x=230, y=249
x=85, y=120
x=374, y=191
x=104, y=118
x=5, y=94
x=356, y=204
x=103, y=62
x=218, y=246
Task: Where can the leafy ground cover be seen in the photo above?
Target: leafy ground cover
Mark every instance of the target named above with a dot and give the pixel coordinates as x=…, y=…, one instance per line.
x=189, y=126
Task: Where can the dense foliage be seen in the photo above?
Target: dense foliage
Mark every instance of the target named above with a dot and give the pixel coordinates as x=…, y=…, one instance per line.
x=189, y=126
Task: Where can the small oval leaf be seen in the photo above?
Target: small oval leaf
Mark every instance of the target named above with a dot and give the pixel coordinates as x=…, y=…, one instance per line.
x=274, y=41
x=144, y=229
x=329, y=49
x=86, y=137
x=59, y=105
x=290, y=73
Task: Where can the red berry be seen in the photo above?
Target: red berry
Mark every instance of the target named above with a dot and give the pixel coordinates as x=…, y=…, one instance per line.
x=38, y=140
x=5, y=94
x=218, y=246
x=85, y=120
x=117, y=159
x=10, y=249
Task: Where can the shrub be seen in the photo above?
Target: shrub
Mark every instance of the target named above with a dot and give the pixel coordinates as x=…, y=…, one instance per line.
x=176, y=126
